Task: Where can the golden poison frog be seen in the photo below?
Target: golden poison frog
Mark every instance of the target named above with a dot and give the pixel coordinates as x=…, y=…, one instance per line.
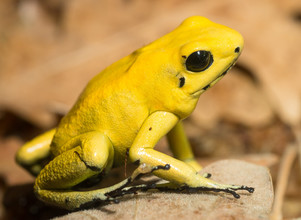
x=126, y=109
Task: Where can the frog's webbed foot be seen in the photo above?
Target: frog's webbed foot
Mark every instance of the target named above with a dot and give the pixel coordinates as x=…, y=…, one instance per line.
x=229, y=189
x=172, y=187
x=220, y=188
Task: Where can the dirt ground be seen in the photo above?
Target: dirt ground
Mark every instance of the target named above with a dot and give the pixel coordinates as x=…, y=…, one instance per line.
x=50, y=49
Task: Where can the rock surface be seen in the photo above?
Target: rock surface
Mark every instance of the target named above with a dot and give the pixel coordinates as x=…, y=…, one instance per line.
x=158, y=205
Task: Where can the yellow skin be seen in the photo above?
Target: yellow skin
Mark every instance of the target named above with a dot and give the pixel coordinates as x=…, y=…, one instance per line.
x=126, y=109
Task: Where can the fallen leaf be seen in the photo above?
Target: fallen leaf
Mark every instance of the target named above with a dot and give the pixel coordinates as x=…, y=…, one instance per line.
x=271, y=53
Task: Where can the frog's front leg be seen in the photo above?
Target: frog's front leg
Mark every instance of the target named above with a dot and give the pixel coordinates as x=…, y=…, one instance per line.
x=179, y=173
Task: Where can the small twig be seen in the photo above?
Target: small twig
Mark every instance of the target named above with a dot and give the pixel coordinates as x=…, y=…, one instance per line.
x=288, y=158
x=126, y=161
x=297, y=133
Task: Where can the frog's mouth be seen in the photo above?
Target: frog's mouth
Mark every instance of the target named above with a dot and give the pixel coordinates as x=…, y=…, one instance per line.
x=215, y=80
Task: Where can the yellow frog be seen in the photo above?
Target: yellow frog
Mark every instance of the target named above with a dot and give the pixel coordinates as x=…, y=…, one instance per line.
x=126, y=109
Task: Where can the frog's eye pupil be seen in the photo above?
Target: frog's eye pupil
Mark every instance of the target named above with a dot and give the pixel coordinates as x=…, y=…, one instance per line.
x=199, y=61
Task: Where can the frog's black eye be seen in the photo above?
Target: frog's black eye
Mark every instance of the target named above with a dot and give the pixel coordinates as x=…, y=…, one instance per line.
x=199, y=61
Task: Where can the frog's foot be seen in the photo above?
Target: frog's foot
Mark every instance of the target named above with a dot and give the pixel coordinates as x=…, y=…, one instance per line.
x=227, y=189
x=172, y=187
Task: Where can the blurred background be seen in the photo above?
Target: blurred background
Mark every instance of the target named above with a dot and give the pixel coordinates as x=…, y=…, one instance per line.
x=49, y=49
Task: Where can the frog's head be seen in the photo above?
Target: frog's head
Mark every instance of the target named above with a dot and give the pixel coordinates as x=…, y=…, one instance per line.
x=189, y=60
x=209, y=54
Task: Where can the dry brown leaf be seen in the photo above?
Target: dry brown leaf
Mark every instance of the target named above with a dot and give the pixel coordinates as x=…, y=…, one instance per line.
x=267, y=160
x=271, y=53
x=236, y=98
x=9, y=170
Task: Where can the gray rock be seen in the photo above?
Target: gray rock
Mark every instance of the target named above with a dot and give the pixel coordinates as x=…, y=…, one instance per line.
x=203, y=205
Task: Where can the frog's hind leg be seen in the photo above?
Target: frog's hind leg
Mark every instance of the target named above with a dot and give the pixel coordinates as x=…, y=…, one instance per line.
x=88, y=155
x=92, y=155
x=72, y=200
x=34, y=154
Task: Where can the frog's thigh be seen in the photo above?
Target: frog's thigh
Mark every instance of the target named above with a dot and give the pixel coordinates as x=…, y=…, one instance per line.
x=180, y=146
x=94, y=153
x=89, y=157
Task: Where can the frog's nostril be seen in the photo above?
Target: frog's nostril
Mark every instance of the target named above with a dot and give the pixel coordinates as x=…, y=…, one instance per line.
x=237, y=49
